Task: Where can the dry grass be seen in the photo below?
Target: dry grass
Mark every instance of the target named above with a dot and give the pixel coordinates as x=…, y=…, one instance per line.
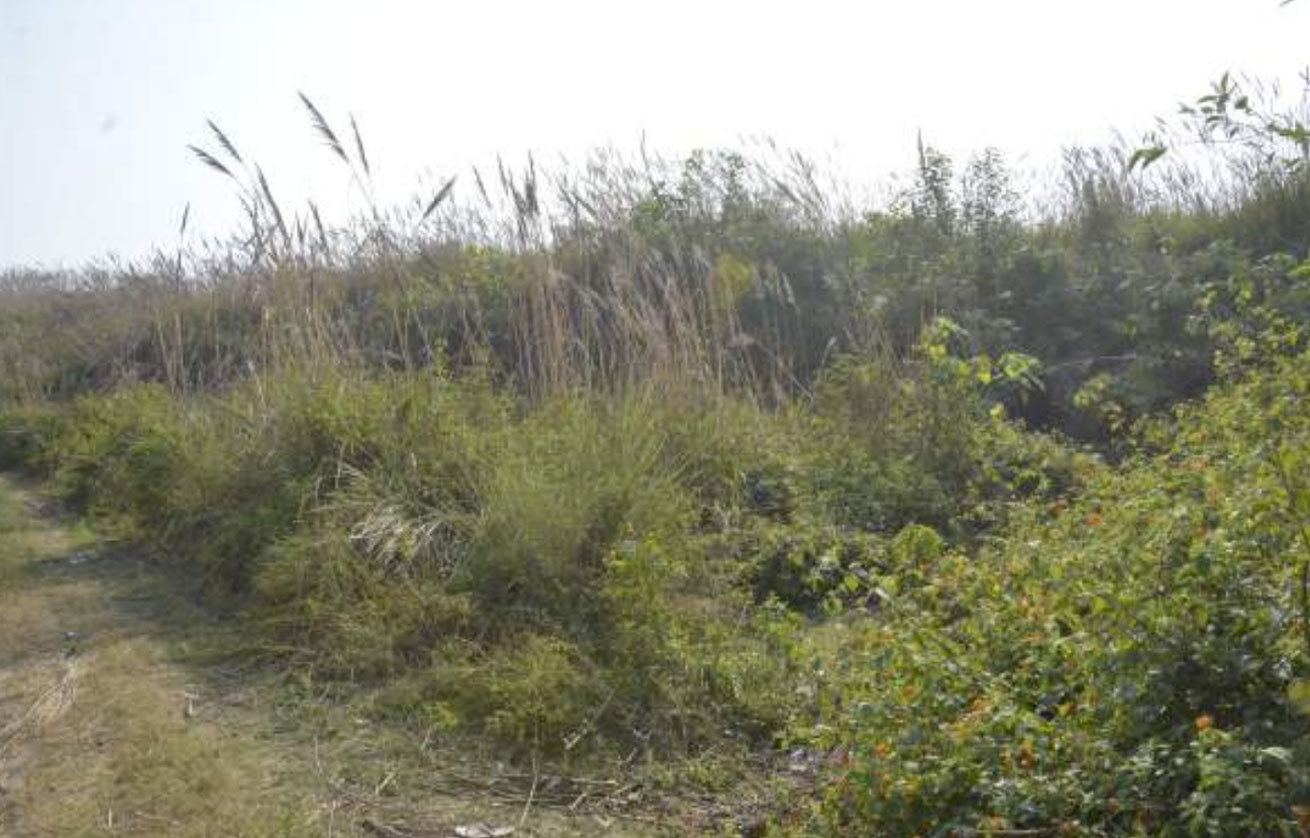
x=126, y=758
x=95, y=737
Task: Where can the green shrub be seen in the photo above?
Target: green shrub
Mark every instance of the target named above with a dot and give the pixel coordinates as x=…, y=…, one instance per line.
x=1122, y=664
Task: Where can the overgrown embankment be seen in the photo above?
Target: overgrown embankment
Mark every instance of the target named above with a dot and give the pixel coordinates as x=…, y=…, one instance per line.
x=700, y=473
x=590, y=571
x=587, y=579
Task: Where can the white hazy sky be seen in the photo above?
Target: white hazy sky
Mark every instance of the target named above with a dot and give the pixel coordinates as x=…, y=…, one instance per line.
x=98, y=98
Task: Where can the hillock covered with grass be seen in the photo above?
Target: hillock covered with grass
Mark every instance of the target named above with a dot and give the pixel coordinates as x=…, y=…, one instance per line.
x=969, y=514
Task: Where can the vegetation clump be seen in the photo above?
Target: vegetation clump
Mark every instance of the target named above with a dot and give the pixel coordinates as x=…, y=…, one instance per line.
x=1000, y=514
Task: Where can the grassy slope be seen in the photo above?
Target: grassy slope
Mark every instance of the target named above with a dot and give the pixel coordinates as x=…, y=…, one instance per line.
x=671, y=475
x=128, y=727
x=1120, y=656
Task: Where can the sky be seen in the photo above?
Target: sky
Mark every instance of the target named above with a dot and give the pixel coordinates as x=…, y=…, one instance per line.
x=100, y=98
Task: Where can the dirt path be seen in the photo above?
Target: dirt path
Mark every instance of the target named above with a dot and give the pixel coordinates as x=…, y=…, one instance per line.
x=119, y=717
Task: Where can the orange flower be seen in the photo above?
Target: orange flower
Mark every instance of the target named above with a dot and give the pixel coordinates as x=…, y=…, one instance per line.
x=1093, y=519
x=1204, y=721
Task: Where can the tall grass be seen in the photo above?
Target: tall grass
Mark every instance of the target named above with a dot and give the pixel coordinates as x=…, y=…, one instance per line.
x=743, y=273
